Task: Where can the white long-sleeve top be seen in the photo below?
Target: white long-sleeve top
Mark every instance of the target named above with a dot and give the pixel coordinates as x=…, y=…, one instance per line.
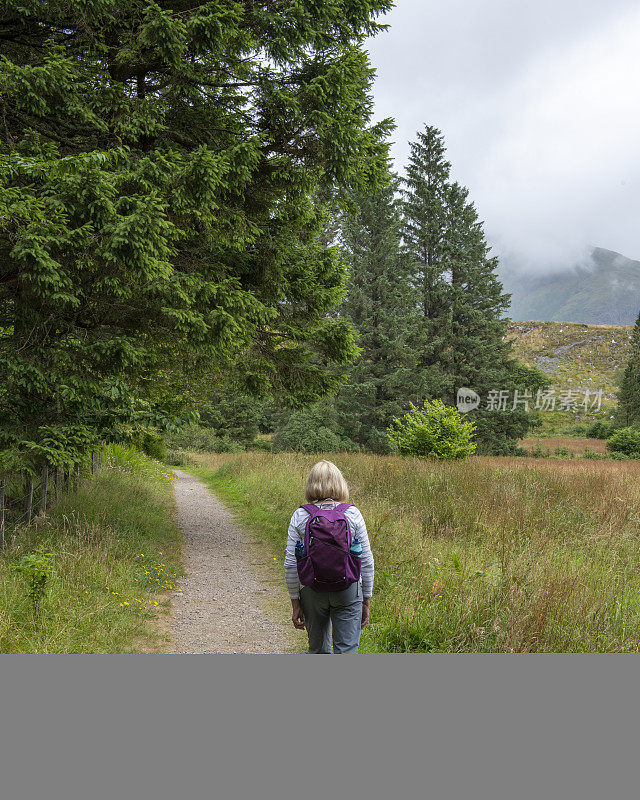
x=296, y=534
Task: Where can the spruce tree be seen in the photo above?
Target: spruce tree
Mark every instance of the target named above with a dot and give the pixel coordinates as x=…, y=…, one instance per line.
x=463, y=328
x=629, y=397
x=159, y=165
x=382, y=305
x=425, y=220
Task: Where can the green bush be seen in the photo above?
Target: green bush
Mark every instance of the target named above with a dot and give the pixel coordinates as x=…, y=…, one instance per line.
x=312, y=430
x=177, y=458
x=593, y=455
x=151, y=444
x=202, y=439
x=577, y=429
x=263, y=445
x=600, y=429
x=625, y=441
x=434, y=430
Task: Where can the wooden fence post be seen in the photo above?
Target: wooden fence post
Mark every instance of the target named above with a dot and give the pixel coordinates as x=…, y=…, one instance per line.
x=2, y=514
x=28, y=499
x=44, y=485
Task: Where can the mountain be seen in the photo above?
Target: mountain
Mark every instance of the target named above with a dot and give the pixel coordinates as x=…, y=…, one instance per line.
x=575, y=355
x=604, y=289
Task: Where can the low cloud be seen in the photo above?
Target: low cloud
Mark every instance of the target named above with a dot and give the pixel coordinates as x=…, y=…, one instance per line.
x=538, y=107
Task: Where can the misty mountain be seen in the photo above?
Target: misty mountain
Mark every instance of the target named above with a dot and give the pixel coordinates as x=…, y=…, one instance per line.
x=603, y=289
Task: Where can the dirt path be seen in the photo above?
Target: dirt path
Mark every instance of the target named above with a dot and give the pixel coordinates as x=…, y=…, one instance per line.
x=224, y=605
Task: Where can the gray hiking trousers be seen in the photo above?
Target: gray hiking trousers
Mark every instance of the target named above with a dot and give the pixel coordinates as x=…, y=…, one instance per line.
x=339, y=611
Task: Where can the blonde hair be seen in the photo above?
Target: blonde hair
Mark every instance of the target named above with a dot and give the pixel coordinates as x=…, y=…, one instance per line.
x=326, y=480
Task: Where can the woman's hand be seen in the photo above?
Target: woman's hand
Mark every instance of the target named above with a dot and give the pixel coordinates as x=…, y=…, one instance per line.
x=297, y=616
x=366, y=602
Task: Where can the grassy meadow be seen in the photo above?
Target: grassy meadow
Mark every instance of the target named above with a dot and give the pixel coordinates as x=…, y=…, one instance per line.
x=507, y=555
x=569, y=446
x=112, y=551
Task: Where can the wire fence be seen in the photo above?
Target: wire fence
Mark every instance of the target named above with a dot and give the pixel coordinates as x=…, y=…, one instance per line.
x=23, y=495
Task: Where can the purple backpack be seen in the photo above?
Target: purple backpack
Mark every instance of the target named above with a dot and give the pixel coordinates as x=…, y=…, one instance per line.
x=328, y=564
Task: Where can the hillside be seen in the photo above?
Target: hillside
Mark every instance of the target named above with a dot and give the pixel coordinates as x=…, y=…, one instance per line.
x=603, y=289
x=575, y=355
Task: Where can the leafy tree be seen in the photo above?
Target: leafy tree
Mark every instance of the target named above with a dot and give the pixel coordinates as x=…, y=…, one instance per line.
x=160, y=166
x=629, y=397
x=434, y=430
x=381, y=304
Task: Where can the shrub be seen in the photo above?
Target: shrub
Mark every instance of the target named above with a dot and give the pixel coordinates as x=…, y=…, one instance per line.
x=177, y=458
x=312, y=430
x=202, y=439
x=434, y=430
x=593, y=455
x=538, y=452
x=600, y=429
x=298, y=437
x=152, y=445
x=263, y=445
x=625, y=441
x=578, y=429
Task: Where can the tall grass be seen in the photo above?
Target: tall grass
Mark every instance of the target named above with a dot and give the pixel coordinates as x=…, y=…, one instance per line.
x=114, y=549
x=486, y=555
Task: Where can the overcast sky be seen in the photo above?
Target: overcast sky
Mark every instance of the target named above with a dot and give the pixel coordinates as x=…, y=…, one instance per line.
x=539, y=105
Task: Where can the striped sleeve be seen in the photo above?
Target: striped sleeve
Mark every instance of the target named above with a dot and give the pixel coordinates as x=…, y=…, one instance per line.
x=290, y=563
x=367, y=568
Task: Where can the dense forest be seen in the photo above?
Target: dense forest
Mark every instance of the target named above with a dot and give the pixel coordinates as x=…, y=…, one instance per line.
x=201, y=226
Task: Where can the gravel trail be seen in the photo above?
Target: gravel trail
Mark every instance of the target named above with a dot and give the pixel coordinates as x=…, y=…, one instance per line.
x=222, y=605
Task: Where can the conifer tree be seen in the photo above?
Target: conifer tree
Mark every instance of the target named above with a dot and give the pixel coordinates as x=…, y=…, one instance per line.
x=159, y=164
x=464, y=325
x=425, y=220
x=629, y=397
x=382, y=305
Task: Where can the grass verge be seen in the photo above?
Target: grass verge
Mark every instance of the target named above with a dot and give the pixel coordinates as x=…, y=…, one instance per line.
x=486, y=555
x=112, y=552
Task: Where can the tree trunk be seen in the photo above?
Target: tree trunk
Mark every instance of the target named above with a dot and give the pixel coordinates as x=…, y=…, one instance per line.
x=44, y=485
x=1, y=514
x=28, y=500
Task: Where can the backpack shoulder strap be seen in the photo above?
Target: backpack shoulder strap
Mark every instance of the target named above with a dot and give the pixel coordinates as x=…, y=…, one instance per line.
x=309, y=508
x=343, y=507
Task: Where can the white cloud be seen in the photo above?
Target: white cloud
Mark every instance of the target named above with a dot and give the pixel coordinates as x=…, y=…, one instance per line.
x=539, y=110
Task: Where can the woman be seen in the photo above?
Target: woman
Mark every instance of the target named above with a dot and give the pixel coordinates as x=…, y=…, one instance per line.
x=345, y=611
